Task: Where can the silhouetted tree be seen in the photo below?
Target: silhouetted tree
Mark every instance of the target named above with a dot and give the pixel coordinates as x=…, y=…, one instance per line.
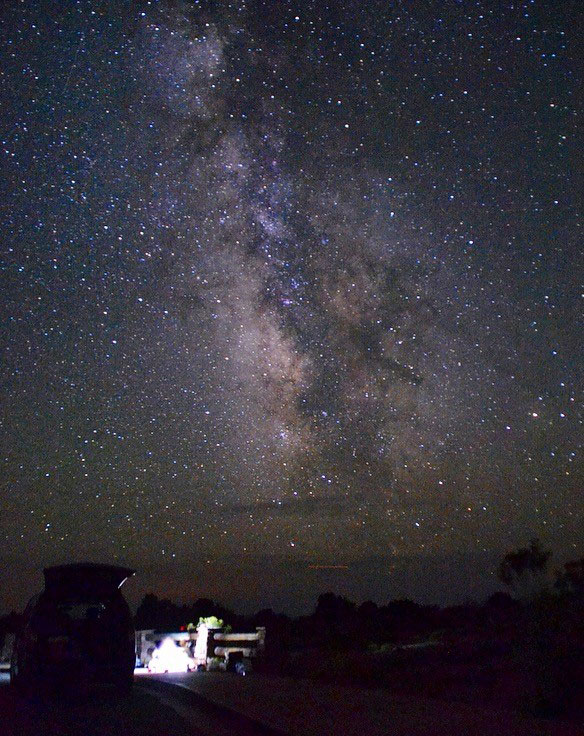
x=524, y=569
x=570, y=580
x=500, y=601
x=9, y=624
x=155, y=613
x=163, y=614
x=335, y=620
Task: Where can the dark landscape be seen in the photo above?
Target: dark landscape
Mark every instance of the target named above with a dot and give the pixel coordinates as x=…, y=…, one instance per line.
x=522, y=653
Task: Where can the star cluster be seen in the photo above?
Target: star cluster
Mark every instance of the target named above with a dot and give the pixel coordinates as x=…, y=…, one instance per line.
x=294, y=282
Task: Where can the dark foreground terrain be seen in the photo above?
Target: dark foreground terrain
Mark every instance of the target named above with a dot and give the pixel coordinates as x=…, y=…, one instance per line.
x=104, y=713
x=195, y=704
x=153, y=708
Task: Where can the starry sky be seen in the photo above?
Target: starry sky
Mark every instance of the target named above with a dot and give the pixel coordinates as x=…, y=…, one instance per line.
x=291, y=294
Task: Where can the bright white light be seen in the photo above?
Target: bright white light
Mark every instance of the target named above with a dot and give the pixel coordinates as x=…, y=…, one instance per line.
x=169, y=658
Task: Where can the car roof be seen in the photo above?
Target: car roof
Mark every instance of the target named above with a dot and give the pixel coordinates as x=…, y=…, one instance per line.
x=85, y=578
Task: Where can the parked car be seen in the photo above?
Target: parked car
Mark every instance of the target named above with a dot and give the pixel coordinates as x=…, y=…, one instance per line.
x=77, y=631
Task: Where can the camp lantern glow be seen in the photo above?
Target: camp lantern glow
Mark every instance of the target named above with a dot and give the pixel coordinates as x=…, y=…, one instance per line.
x=169, y=657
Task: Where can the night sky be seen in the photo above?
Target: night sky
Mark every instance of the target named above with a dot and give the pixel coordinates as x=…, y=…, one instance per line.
x=291, y=294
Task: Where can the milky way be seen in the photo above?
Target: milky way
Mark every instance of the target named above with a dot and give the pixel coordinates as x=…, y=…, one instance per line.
x=290, y=285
